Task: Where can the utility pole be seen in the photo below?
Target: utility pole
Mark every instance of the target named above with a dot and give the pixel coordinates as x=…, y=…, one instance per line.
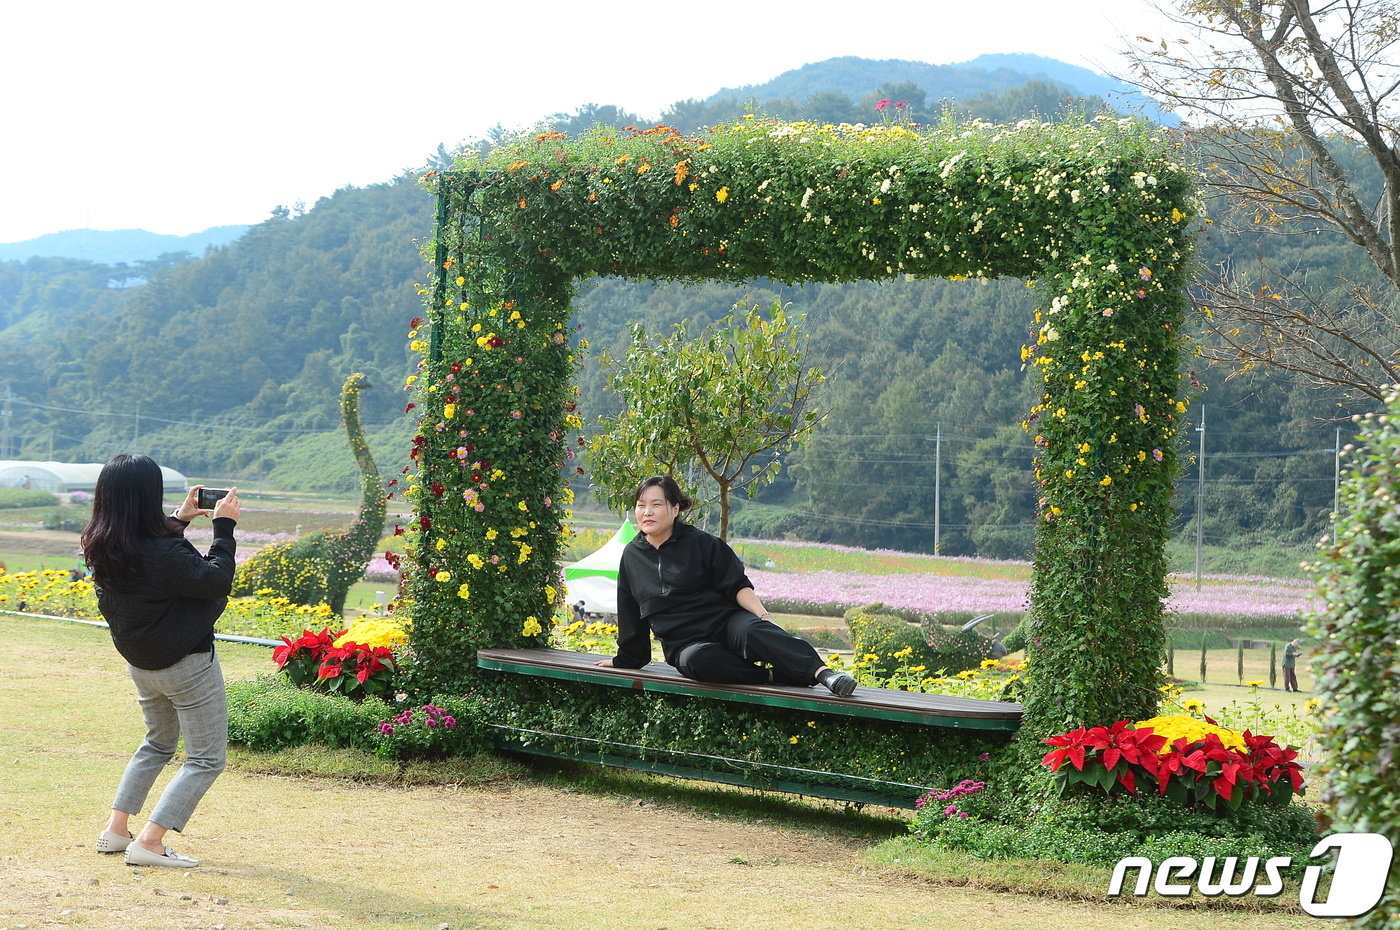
x=1200, y=494
x=937, y=486
x=5, y=423
x=1336, y=483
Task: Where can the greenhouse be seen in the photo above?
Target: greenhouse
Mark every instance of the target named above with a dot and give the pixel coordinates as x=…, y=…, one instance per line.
x=63, y=477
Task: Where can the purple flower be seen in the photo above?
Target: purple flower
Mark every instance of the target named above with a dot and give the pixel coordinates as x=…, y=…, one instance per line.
x=387, y=729
x=950, y=810
x=983, y=757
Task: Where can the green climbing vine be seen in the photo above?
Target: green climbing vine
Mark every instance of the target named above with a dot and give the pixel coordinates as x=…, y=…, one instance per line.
x=1095, y=216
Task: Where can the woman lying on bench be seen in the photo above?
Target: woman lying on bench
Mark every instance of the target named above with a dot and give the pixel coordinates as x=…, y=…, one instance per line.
x=690, y=589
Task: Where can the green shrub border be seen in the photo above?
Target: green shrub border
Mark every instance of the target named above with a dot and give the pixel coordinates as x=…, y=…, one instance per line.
x=1095, y=215
x=15, y=498
x=1104, y=829
x=268, y=713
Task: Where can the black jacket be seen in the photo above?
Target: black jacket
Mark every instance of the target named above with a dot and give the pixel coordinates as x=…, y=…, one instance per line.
x=167, y=611
x=683, y=591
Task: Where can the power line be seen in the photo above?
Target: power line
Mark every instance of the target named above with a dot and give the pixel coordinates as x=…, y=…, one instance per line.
x=202, y=424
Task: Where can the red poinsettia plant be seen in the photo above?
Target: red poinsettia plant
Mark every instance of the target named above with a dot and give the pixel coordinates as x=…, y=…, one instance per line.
x=355, y=669
x=301, y=658
x=1207, y=766
x=325, y=661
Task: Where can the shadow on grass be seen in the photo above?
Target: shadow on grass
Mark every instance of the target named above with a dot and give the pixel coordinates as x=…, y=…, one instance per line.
x=882, y=833
x=740, y=805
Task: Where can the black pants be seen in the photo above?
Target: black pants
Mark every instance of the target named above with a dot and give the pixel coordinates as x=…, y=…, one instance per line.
x=1290, y=678
x=747, y=645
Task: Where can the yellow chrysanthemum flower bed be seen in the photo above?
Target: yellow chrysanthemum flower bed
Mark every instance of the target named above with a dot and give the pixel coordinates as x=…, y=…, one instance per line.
x=374, y=632
x=1177, y=726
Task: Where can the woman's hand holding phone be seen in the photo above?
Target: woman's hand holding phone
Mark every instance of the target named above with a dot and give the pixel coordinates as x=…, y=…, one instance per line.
x=228, y=505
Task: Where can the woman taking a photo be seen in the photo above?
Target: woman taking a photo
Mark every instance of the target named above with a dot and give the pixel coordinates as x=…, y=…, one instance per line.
x=690, y=589
x=160, y=599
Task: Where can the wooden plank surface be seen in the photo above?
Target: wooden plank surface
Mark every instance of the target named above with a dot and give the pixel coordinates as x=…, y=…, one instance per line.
x=880, y=703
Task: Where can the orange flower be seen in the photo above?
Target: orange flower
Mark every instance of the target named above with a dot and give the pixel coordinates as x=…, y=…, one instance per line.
x=516, y=165
x=549, y=135
x=682, y=171
x=522, y=203
x=675, y=221
x=557, y=184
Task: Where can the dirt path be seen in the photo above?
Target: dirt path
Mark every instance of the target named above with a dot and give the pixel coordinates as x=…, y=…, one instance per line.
x=316, y=853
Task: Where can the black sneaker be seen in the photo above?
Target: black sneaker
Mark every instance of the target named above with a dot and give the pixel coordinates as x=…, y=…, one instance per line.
x=839, y=684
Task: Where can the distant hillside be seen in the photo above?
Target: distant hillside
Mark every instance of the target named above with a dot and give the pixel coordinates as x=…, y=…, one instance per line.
x=1085, y=81
x=119, y=246
x=986, y=74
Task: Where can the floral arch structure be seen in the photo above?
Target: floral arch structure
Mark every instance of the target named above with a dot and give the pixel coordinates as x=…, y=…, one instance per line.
x=1093, y=215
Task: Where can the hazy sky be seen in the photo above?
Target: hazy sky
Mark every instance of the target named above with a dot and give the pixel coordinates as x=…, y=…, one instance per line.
x=178, y=116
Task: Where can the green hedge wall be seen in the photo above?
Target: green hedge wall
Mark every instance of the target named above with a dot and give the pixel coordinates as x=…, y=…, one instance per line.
x=1359, y=656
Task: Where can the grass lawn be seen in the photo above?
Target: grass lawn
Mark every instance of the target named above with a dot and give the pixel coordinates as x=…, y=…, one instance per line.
x=542, y=847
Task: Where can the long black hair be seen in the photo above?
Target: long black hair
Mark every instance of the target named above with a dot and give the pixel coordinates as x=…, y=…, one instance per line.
x=126, y=509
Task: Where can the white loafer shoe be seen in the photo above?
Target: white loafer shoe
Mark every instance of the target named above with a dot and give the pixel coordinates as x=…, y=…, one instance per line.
x=110, y=842
x=136, y=854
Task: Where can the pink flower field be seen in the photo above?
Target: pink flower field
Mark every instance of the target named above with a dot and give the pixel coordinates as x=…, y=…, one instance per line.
x=923, y=583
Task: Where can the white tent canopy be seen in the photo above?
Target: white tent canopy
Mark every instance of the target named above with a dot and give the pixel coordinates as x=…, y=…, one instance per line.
x=593, y=578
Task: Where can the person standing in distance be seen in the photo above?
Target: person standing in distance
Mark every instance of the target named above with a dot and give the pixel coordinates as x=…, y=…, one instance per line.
x=1290, y=664
x=689, y=588
x=160, y=598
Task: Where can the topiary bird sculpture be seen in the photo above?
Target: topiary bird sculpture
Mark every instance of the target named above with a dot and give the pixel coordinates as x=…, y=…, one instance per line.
x=320, y=567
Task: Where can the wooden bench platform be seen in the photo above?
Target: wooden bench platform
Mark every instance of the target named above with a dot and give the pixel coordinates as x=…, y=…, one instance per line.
x=877, y=703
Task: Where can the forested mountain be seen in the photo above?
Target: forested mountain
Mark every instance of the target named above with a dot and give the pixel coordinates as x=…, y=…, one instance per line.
x=825, y=83
x=228, y=366
x=224, y=365
x=114, y=247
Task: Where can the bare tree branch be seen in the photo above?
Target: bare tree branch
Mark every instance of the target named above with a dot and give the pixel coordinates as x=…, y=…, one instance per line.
x=1296, y=125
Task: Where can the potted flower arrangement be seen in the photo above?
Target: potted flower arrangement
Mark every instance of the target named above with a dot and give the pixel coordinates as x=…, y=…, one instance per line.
x=1193, y=762
x=354, y=662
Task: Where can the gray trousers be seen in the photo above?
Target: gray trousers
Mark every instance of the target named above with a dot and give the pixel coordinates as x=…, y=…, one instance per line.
x=186, y=699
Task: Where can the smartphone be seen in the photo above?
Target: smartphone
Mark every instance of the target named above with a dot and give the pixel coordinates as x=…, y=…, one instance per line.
x=208, y=497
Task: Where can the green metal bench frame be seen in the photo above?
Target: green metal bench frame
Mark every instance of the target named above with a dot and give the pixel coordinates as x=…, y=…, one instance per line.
x=872, y=703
